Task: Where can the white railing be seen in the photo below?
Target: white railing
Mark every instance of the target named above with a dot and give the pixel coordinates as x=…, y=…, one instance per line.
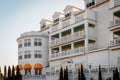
x=115, y=22
x=54, y=28
x=116, y=3
x=66, y=24
x=79, y=18
x=91, y=47
x=26, y=77
x=115, y=42
x=68, y=52
x=68, y=38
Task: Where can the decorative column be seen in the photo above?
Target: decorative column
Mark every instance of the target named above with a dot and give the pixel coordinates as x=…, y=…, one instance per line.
x=86, y=44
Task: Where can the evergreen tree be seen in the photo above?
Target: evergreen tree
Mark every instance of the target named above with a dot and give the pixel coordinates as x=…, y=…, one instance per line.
x=64, y=77
x=82, y=73
x=9, y=73
x=13, y=73
x=0, y=72
x=61, y=74
x=67, y=77
x=5, y=72
x=18, y=74
x=116, y=74
x=79, y=74
x=99, y=73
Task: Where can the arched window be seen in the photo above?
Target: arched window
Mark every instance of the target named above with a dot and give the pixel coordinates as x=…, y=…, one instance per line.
x=38, y=68
x=27, y=68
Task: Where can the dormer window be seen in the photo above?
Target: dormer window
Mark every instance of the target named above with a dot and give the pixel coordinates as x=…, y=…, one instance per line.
x=56, y=20
x=43, y=26
x=68, y=15
x=91, y=3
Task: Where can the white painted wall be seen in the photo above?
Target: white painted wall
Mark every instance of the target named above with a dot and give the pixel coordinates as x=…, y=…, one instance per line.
x=43, y=48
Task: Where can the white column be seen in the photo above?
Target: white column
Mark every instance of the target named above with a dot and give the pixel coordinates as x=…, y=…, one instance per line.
x=86, y=44
x=72, y=46
x=72, y=18
x=60, y=35
x=86, y=37
x=60, y=49
x=72, y=31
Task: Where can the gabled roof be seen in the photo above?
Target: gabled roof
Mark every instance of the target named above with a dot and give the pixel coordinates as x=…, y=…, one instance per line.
x=68, y=7
x=57, y=14
x=44, y=20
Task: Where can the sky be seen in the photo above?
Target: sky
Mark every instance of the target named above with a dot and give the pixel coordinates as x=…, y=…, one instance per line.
x=19, y=16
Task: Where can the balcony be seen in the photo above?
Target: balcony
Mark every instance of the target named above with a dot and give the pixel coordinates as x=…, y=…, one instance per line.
x=116, y=3
x=115, y=24
x=68, y=38
x=67, y=53
x=35, y=77
x=79, y=19
x=54, y=28
x=115, y=42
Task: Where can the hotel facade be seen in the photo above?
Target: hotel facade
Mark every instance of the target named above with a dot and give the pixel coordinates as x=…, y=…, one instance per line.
x=73, y=37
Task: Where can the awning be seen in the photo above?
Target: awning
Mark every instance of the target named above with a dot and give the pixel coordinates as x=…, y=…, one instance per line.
x=66, y=32
x=27, y=66
x=20, y=66
x=38, y=66
x=77, y=28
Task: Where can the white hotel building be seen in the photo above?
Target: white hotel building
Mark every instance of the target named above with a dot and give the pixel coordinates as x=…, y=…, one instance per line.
x=90, y=37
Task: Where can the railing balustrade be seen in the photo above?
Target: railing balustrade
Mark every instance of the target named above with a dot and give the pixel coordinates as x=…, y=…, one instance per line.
x=116, y=3
x=68, y=38
x=115, y=42
x=115, y=22
x=68, y=52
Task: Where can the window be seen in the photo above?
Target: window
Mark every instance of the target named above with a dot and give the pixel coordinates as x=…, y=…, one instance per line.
x=37, y=42
x=92, y=2
x=43, y=26
x=38, y=71
x=20, y=44
x=20, y=57
x=27, y=42
x=53, y=69
x=77, y=65
x=37, y=54
x=27, y=54
x=56, y=20
x=68, y=15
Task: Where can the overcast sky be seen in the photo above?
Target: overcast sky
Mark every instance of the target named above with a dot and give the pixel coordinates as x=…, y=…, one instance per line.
x=18, y=16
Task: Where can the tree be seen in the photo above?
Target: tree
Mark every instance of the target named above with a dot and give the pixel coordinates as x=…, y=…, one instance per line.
x=0, y=74
x=9, y=73
x=79, y=74
x=99, y=73
x=116, y=74
x=82, y=73
x=66, y=73
x=5, y=72
x=18, y=74
x=61, y=74
x=67, y=77
x=64, y=77
x=114, y=77
x=13, y=73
